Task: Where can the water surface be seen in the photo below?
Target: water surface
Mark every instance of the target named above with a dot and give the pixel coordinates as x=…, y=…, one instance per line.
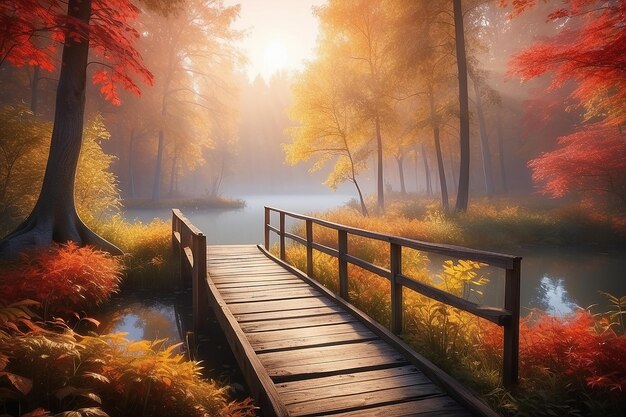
x=553, y=279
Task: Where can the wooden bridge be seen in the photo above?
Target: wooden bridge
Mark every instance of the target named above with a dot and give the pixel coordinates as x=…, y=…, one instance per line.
x=306, y=351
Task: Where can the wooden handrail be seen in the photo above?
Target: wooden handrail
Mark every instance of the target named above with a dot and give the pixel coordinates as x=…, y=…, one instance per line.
x=189, y=246
x=507, y=317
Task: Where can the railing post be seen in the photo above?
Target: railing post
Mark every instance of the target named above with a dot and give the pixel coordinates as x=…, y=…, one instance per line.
x=267, y=228
x=185, y=235
x=395, y=264
x=200, y=296
x=309, y=247
x=282, y=236
x=511, y=328
x=342, y=247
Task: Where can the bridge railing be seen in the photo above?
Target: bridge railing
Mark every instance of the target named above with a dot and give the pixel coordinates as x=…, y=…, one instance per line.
x=507, y=317
x=189, y=246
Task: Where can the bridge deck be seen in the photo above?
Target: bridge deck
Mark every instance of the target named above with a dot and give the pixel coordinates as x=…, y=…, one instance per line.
x=304, y=353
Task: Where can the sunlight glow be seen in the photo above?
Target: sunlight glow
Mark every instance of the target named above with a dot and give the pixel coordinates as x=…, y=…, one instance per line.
x=275, y=59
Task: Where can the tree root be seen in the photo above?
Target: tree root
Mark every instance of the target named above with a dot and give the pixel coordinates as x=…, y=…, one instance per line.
x=40, y=231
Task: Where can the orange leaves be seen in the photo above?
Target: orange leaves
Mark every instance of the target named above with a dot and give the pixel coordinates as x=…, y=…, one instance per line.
x=64, y=278
x=567, y=346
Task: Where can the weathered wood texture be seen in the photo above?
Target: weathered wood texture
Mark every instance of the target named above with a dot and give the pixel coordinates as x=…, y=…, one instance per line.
x=304, y=354
x=507, y=317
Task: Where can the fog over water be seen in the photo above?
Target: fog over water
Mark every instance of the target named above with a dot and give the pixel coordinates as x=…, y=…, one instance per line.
x=557, y=280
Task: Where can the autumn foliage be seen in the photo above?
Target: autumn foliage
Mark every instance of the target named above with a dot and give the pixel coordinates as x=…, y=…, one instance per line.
x=34, y=29
x=572, y=347
x=591, y=161
x=587, y=56
x=63, y=278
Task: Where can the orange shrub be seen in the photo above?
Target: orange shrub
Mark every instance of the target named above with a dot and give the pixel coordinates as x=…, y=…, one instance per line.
x=63, y=278
x=571, y=347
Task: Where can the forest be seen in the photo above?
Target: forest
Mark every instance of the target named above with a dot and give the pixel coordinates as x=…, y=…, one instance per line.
x=497, y=125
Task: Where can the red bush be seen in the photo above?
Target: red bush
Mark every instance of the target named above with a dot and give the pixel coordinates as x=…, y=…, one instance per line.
x=63, y=278
x=571, y=347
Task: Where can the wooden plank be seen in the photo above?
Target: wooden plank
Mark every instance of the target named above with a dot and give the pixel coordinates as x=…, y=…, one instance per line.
x=224, y=279
x=285, y=314
x=356, y=400
x=273, y=335
x=443, y=406
x=264, y=306
x=262, y=286
x=299, y=322
x=329, y=360
x=331, y=353
x=286, y=294
x=337, y=382
x=336, y=392
x=261, y=386
x=320, y=340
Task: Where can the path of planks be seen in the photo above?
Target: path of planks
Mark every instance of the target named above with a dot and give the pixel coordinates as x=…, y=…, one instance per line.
x=303, y=353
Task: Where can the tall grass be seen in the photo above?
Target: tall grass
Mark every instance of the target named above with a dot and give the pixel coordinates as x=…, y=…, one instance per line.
x=147, y=249
x=570, y=366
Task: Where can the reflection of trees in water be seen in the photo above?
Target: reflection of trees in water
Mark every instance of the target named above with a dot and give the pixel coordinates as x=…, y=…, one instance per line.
x=154, y=319
x=552, y=297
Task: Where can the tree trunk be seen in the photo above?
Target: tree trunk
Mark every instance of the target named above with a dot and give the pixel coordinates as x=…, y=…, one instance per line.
x=218, y=180
x=364, y=211
x=484, y=142
x=441, y=169
x=505, y=188
x=54, y=217
x=156, y=186
x=429, y=184
x=400, y=160
x=462, y=197
x=379, y=154
x=173, y=175
x=451, y=167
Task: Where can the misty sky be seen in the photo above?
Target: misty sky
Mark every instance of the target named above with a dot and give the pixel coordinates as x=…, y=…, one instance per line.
x=281, y=33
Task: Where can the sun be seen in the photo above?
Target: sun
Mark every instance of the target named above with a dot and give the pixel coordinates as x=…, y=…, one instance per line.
x=275, y=58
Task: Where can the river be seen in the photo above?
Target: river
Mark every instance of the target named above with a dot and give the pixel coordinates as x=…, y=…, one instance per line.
x=553, y=279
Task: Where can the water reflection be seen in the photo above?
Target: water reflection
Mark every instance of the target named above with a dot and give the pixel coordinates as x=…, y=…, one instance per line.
x=244, y=225
x=143, y=317
x=148, y=322
x=552, y=297
x=579, y=274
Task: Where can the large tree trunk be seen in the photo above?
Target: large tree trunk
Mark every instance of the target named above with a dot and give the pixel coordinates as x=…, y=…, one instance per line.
x=400, y=160
x=54, y=218
x=484, y=142
x=379, y=154
x=462, y=197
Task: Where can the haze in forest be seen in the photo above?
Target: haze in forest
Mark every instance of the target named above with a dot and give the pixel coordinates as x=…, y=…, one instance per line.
x=240, y=90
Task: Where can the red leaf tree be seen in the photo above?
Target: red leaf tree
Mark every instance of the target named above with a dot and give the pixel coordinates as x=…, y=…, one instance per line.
x=104, y=26
x=587, y=52
x=591, y=162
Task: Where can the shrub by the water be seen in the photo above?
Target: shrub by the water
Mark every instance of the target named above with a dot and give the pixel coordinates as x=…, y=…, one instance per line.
x=63, y=278
x=147, y=248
